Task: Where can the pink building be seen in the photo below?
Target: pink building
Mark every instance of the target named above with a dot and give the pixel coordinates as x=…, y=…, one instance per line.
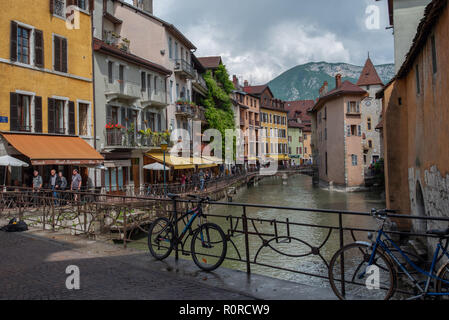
x=337, y=134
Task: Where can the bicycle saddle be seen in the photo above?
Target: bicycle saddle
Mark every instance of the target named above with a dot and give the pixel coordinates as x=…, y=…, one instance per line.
x=440, y=233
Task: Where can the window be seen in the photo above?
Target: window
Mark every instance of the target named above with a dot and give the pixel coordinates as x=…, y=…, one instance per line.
x=364, y=159
x=176, y=51
x=353, y=107
x=354, y=159
x=370, y=144
x=82, y=4
x=59, y=8
x=59, y=117
x=368, y=124
x=418, y=84
x=60, y=54
x=23, y=45
x=83, y=119
x=359, y=129
x=171, y=91
x=434, y=54
x=170, y=47
x=110, y=71
x=143, y=81
x=325, y=133
x=23, y=113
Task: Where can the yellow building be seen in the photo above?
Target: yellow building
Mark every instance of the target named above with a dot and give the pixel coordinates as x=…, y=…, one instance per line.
x=46, y=85
x=273, y=123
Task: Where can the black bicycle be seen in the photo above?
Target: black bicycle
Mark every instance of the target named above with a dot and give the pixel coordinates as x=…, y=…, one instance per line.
x=208, y=246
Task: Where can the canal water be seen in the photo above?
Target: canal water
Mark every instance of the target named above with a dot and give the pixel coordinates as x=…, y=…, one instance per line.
x=295, y=191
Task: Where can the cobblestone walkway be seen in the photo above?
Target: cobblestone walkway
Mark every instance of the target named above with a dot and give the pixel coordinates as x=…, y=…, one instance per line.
x=33, y=267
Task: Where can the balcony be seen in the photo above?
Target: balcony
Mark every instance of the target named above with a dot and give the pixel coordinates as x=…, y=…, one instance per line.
x=199, y=114
x=242, y=121
x=184, y=110
x=154, y=98
x=122, y=89
x=257, y=123
x=184, y=69
x=199, y=83
x=122, y=139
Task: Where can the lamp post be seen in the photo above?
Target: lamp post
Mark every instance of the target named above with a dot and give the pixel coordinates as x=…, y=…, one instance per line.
x=164, y=146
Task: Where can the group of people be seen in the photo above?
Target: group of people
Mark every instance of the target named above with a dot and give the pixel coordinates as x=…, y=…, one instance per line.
x=57, y=183
x=197, y=179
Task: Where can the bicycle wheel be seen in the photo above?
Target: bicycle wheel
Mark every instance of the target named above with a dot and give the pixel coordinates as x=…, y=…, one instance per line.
x=359, y=282
x=441, y=286
x=208, y=247
x=160, y=238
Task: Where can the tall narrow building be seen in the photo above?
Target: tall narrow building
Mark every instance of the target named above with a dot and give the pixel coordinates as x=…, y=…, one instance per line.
x=371, y=111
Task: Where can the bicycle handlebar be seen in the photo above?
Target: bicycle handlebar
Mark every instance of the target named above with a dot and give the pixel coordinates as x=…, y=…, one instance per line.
x=381, y=213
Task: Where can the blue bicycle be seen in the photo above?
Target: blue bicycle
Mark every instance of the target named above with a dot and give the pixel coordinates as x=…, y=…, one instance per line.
x=364, y=270
x=209, y=243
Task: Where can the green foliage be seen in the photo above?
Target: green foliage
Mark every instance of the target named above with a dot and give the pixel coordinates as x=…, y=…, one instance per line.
x=219, y=112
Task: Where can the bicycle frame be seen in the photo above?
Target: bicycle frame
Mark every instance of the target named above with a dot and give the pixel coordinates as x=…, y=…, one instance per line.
x=196, y=213
x=430, y=275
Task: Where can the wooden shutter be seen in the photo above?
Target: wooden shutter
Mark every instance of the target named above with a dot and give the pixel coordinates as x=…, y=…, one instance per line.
x=358, y=107
x=52, y=6
x=91, y=5
x=51, y=115
x=38, y=114
x=72, y=130
x=39, y=48
x=64, y=55
x=13, y=117
x=349, y=107
x=348, y=131
x=13, y=55
x=57, y=53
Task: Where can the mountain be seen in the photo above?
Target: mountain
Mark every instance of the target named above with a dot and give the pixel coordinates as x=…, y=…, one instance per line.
x=303, y=82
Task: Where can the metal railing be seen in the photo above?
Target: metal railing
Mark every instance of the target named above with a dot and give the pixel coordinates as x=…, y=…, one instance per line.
x=123, y=138
x=183, y=66
x=259, y=236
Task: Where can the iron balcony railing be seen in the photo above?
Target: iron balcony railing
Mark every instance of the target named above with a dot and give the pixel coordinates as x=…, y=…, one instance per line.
x=184, y=67
x=125, y=139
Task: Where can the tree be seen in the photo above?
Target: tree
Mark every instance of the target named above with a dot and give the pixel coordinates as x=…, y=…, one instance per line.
x=219, y=113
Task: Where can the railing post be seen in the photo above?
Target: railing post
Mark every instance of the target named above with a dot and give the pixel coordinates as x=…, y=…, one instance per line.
x=125, y=229
x=245, y=230
x=342, y=259
x=175, y=213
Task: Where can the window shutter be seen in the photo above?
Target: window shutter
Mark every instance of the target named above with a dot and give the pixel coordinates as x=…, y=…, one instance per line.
x=52, y=6
x=57, y=53
x=348, y=107
x=39, y=48
x=72, y=130
x=358, y=107
x=109, y=115
x=348, y=129
x=159, y=122
x=13, y=55
x=38, y=114
x=51, y=115
x=360, y=131
x=13, y=118
x=64, y=55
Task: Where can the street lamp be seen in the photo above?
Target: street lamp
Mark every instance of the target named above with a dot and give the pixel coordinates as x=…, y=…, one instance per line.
x=164, y=146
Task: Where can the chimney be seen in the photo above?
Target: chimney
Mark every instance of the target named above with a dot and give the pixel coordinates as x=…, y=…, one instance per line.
x=246, y=83
x=338, y=81
x=145, y=5
x=235, y=81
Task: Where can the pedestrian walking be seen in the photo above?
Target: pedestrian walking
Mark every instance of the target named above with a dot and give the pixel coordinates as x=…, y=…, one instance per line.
x=55, y=182
x=202, y=179
x=195, y=181
x=183, y=183
x=76, y=183
x=37, y=186
x=62, y=187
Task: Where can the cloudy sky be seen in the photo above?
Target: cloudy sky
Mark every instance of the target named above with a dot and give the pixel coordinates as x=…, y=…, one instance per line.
x=260, y=39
